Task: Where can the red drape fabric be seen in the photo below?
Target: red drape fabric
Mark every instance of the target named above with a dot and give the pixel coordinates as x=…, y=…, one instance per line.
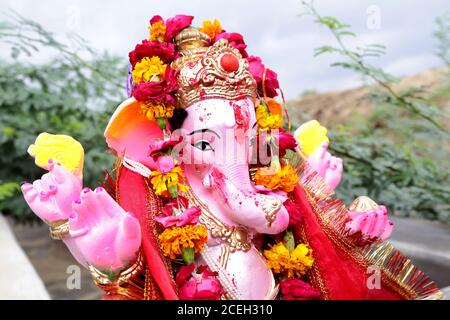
x=343, y=278
x=134, y=197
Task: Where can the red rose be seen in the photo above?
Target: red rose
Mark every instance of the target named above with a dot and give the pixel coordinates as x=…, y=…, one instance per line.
x=156, y=19
x=165, y=51
x=285, y=141
x=235, y=39
x=176, y=24
x=296, y=289
x=201, y=286
x=161, y=91
x=256, y=68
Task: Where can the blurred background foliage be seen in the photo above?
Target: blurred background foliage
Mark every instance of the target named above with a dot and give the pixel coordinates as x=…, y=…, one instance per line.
x=75, y=93
x=398, y=155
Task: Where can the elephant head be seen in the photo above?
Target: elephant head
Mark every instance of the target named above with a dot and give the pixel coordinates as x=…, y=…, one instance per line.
x=216, y=148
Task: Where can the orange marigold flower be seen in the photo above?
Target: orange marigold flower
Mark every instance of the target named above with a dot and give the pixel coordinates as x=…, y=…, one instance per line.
x=212, y=29
x=156, y=110
x=285, y=179
x=157, y=31
x=294, y=263
x=173, y=239
x=266, y=119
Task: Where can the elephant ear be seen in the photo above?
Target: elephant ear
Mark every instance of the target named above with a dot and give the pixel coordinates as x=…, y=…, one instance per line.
x=130, y=132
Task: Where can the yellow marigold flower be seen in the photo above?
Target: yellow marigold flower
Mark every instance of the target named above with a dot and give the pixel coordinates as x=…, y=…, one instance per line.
x=61, y=149
x=212, y=29
x=277, y=257
x=157, y=31
x=266, y=120
x=310, y=136
x=157, y=110
x=149, y=69
x=285, y=179
x=163, y=182
x=294, y=263
x=189, y=236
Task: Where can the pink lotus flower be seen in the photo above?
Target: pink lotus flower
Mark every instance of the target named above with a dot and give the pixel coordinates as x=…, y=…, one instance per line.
x=203, y=285
x=235, y=39
x=161, y=91
x=165, y=51
x=174, y=25
x=256, y=68
x=188, y=216
x=296, y=289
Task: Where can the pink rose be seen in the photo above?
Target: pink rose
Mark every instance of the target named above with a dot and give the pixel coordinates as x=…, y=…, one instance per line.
x=165, y=51
x=203, y=285
x=256, y=68
x=165, y=164
x=296, y=289
x=235, y=39
x=188, y=216
x=174, y=25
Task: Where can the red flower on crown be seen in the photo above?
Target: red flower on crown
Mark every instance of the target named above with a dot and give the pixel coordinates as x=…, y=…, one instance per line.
x=165, y=51
x=235, y=39
x=256, y=68
x=161, y=91
x=174, y=25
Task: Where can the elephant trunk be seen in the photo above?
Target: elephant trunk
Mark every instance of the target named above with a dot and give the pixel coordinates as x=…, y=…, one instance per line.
x=238, y=174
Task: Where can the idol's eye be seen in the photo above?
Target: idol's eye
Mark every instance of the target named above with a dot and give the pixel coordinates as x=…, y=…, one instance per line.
x=203, y=145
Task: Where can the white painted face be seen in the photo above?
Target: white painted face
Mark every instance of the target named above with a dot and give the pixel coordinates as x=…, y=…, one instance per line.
x=219, y=132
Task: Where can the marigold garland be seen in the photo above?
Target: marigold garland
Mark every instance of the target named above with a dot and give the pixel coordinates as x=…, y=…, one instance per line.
x=266, y=120
x=284, y=179
x=212, y=29
x=157, y=110
x=173, y=239
x=157, y=31
x=294, y=263
x=149, y=69
x=163, y=182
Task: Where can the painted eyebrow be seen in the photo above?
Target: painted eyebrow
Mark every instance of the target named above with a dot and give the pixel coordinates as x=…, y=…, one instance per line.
x=254, y=125
x=203, y=131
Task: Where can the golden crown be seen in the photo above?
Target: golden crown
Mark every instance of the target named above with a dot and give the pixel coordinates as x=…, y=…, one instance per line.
x=205, y=72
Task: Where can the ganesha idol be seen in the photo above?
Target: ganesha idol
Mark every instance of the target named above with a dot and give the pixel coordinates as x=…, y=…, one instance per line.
x=211, y=196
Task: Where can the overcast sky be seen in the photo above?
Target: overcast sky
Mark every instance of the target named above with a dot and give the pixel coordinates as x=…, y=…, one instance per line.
x=272, y=30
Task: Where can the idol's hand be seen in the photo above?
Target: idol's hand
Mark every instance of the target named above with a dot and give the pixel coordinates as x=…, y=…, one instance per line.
x=106, y=236
x=373, y=224
x=327, y=166
x=51, y=197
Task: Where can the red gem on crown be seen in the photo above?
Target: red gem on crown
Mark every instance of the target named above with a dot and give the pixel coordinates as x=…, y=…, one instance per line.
x=229, y=62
